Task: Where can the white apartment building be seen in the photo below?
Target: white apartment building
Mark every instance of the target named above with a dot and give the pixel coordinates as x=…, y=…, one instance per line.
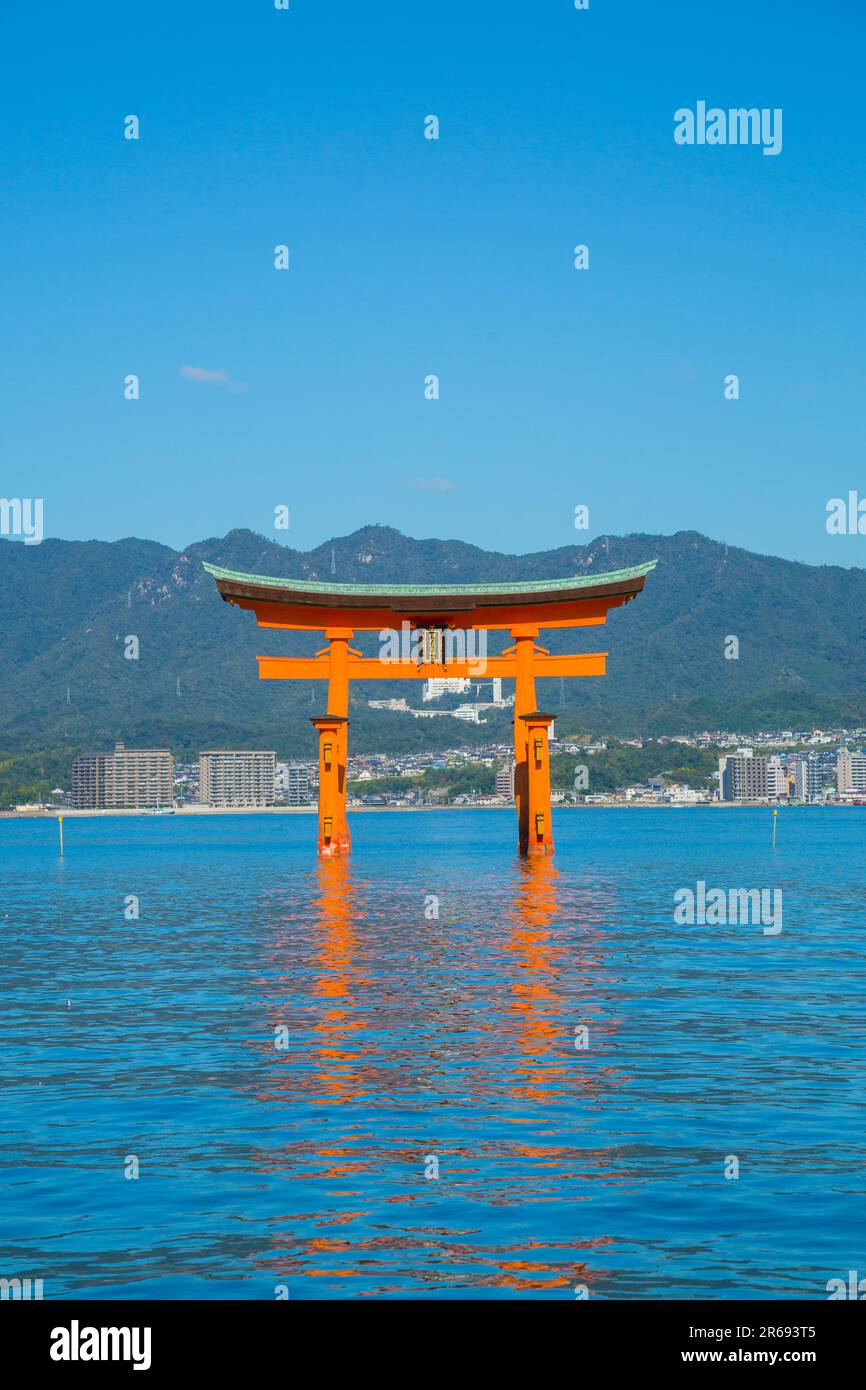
x=298, y=785
x=293, y=783
x=808, y=777
x=237, y=777
x=437, y=686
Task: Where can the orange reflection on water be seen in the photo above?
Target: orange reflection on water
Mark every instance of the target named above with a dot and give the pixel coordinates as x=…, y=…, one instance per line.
x=340, y=1074
x=536, y=1003
x=549, y=976
x=533, y=999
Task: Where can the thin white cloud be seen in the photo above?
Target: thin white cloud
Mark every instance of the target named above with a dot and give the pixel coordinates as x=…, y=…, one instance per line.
x=211, y=378
x=437, y=484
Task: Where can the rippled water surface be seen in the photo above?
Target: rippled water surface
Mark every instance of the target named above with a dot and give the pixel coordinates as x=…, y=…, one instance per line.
x=416, y=1041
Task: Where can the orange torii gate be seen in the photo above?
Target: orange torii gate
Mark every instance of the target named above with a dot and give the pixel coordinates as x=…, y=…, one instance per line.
x=435, y=617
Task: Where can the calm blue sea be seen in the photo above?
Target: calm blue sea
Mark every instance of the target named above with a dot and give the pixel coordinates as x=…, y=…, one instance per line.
x=419, y=1044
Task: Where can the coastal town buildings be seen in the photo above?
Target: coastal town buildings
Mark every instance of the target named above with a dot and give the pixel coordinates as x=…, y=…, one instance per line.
x=809, y=777
x=805, y=767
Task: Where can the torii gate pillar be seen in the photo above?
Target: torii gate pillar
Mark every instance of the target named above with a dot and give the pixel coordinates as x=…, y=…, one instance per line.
x=540, y=837
x=334, y=837
x=524, y=635
x=333, y=826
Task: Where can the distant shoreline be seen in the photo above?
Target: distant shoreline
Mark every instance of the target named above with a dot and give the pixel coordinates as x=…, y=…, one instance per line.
x=376, y=810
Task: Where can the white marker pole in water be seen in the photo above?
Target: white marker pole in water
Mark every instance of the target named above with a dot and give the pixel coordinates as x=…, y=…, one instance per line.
x=775, y=813
x=60, y=828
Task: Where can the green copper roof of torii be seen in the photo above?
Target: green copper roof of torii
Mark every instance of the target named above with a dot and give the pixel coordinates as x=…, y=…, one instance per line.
x=513, y=587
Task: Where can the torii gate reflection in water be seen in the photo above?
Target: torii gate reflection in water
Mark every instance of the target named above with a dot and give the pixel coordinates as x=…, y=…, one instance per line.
x=522, y=609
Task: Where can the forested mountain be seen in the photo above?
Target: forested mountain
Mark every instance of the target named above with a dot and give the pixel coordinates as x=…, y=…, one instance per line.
x=67, y=606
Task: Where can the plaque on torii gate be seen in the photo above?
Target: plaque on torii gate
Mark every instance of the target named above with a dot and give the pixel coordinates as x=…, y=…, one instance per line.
x=436, y=616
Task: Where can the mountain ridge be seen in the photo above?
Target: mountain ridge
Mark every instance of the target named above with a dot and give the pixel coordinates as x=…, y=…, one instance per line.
x=66, y=608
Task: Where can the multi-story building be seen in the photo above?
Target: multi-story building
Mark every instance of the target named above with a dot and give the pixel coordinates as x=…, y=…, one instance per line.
x=298, y=788
x=777, y=778
x=88, y=781
x=808, y=776
x=743, y=778
x=445, y=685
x=850, y=772
x=293, y=784
x=237, y=777
x=128, y=777
x=505, y=782
x=471, y=713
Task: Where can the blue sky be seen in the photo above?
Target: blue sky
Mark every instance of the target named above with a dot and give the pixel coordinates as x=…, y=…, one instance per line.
x=410, y=257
